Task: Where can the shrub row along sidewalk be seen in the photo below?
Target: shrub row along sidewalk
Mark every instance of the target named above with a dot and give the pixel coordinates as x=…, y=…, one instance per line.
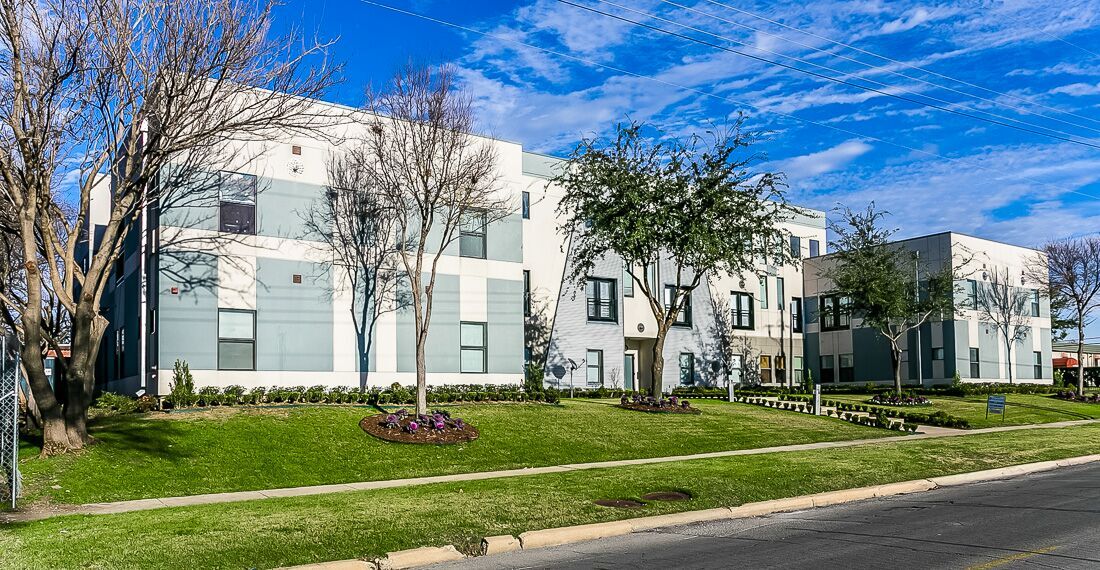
x=367, y=524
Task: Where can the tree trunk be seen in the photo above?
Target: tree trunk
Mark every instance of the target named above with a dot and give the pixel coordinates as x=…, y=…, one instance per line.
x=88, y=330
x=421, y=376
x=658, y=368
x=1080, y=357
x=895, y=361
x=1008, y=350
x=54, y=439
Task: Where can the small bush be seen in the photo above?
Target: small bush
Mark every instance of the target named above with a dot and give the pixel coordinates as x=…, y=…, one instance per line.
x=115, y=403
x=182, y=387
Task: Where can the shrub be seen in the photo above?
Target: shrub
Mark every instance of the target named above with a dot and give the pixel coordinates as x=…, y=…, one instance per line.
x=146, y=403
x=232, y=394
x=182, y=387
x=112, y=403
x=209, y=396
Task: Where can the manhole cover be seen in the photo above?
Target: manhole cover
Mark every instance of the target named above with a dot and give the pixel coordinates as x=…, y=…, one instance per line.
x=619, y=503
x=667, y=496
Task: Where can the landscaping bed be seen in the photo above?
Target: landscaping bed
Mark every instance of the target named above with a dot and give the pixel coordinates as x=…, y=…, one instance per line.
x=1073, y=396
x=672, y=405
x=902, y=401
x=435, y=428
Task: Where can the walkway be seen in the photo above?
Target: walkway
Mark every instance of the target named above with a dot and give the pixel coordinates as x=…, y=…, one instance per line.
x=148, y=504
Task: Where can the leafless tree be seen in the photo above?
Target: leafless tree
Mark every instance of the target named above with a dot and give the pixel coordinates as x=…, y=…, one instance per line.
x=1007, y=308
x=152, y=94
x=1069, y=270
x=439, y=178
x=357, y=225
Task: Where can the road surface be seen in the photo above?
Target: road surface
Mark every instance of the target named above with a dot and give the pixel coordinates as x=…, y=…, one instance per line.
x=1046, y=520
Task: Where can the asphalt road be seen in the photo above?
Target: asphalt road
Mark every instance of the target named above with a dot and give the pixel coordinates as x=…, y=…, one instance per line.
x=1046, y=520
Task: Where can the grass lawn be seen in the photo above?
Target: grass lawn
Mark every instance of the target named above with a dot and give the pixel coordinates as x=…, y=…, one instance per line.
x=235, y=449
x=277, y=532
x=1021, y=409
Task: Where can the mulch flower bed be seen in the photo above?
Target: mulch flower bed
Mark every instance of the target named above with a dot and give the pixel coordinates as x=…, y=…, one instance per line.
x=895, y=400
x=403, y=427
x=671, y=405
x=1073, y=396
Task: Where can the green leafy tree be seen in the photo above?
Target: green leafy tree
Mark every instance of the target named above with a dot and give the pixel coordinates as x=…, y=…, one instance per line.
x=879, y=280
x=697, y=203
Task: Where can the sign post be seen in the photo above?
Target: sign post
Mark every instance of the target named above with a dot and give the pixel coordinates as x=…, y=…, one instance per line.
x=996, y=405
x=817, y=399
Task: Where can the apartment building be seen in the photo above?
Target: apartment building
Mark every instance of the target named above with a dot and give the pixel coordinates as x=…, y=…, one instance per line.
x=600, y=330
x=840, y=350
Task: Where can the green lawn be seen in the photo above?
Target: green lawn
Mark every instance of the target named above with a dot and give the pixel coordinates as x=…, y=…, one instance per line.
x=278, y=532
x=235, y=449
x=1022, y=409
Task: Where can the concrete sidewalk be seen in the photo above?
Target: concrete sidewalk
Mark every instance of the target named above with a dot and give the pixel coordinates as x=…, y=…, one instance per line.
x=212, y=498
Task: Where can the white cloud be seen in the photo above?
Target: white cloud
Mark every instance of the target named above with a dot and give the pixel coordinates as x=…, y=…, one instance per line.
x=828, y=160
x=1078, y=89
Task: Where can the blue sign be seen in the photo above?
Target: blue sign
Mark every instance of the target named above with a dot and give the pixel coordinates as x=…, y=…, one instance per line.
x=995, y=405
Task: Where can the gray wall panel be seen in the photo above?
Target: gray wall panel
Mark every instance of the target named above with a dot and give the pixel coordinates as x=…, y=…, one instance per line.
x=293, y=321
x=188, y=321
x=505, y=312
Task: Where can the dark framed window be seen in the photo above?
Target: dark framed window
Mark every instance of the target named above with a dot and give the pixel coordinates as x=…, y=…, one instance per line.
x=764, y=292
x=593, y=363
x=780, y=294
x=975, y=364
x=937, y=353
x=683, y=318
x=765, y=369
x=796, y=372
x=628, y=282
x=796, y=314
x=525, y=205
x=827, y=372
x=236, y=339
x=473, y=346
x=687, y=369
x=742, y=309
x=237, y=203
x=652, y=277
x=1035, y=304
x=834, y=313
x=971, y=294
x=815, y=248
x=471, y=238
x=601, y=300
x=1038, y=364
x=847, y=368
x=796, y=247
x=781, y=369
x=526, y=293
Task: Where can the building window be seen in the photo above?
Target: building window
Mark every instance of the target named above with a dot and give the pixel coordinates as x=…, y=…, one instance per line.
x=628, y=282
x=781, y=369
x=525, y=205
x=780, y=294
x=847, y=368
x=937, y=353
x=473, y=348
x=765, y=369
x=687, y=369
x=827, y=369
x=1038, y=364
x=526, y=293
x=651, y=277
x=815, y=248
x=834, y=313
x=764, y=292
x=797, y=371
x=1035, y=304
x=796, y=314
x=594, y=367
x=471, y=238
x=741, y=309
x=971, y=294
x=236, y=339
x=796, y=247
x=600, y=297
x=237, y=203
x=683, y=318
x=975, y=364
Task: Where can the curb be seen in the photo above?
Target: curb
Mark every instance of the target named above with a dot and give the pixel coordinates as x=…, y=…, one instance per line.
x=586, y=532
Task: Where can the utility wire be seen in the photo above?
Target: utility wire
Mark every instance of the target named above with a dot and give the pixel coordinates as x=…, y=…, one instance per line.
x=828, y=77
x=704, y=93
x=895, y=61
x=873, y=67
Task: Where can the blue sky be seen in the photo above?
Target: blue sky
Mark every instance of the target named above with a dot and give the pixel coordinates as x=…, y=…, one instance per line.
x=1033, y=64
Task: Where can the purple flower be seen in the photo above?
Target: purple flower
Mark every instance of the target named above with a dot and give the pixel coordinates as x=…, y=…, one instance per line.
x=440, y=425
x=391, y=421
x=459, y=423
x=685, y=404
x=412, y=427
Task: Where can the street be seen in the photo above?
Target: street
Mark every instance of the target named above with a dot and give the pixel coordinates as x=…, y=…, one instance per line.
x=1047, y=520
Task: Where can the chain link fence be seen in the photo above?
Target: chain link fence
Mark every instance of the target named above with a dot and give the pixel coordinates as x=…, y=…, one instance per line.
x=9, y=431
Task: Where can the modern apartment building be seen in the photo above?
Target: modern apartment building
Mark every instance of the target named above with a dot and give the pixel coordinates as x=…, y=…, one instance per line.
x=839, y=349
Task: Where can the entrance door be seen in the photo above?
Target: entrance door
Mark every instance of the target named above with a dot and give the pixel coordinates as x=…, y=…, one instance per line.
x=628, y=371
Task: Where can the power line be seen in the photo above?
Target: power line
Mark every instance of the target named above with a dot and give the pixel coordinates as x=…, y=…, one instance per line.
x=827, y=77
x=895, y=61
x=874, y=67
x=699, y=91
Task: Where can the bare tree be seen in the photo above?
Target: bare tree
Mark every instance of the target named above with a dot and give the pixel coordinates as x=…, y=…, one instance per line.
x=152, y=94
x=356, y=224
x=1069, y=270
x=439, y=179
x=1007, y=308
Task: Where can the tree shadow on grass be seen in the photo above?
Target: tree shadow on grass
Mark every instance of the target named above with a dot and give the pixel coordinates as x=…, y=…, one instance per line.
x=140, y=435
